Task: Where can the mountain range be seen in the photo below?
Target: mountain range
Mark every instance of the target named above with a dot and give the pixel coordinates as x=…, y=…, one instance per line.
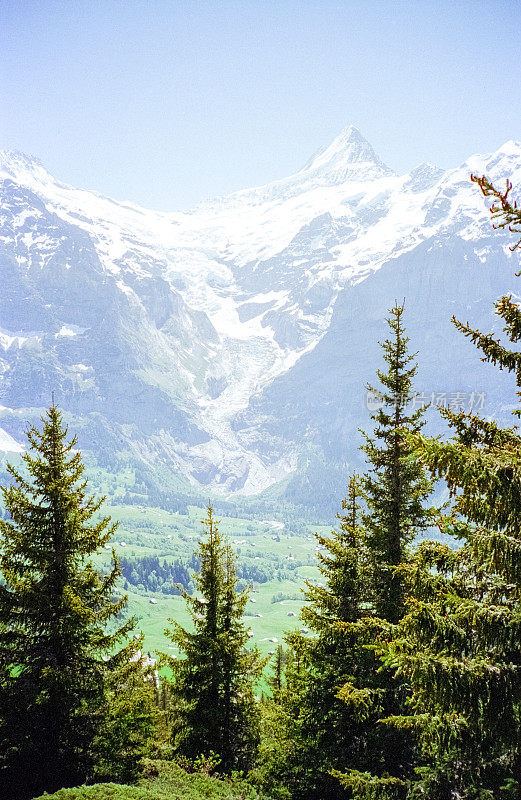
x=225, y=350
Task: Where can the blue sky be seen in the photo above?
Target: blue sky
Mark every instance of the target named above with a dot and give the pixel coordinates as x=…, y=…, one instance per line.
x=168, y=102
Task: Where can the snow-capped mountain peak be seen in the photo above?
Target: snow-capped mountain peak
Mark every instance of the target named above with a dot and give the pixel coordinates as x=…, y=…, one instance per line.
x=17, y=166
x=349, y=155
x=211, y=342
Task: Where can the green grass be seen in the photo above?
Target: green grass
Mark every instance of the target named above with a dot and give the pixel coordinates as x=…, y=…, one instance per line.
x=170, y=535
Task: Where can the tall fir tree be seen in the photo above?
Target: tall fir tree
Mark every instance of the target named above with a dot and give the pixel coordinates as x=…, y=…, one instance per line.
x=213, y=683
x=61, y=651
x=331, y=732
x=321, y=719
x=283, y=764
x=396, y=489
x=460, y=643
x=343, y=564
x=333, y=705
x=396, y=486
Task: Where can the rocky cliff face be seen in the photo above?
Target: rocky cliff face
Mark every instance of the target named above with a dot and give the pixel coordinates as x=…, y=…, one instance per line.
x=227, y=348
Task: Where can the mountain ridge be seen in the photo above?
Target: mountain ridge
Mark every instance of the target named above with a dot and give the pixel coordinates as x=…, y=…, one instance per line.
x=201, y=316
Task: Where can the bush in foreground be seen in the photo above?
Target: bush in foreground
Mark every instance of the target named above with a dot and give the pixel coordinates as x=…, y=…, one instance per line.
x=164, y=781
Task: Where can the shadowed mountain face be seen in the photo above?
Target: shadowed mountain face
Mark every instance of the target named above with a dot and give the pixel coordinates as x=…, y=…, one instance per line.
x=227, y=348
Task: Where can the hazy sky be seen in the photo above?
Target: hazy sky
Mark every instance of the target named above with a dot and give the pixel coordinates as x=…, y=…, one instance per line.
x=168, y=102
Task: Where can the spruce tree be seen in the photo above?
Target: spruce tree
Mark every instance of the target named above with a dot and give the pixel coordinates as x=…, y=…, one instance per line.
x=395, y=490
x=333, y=733
x=276, y=679
x=241, y=668
x=213, y=683
x=460, y=643
x=313, y=729
x=396, y=486
x=283, y=763
x=60, y=647
x=332, y=707
x=343, y=564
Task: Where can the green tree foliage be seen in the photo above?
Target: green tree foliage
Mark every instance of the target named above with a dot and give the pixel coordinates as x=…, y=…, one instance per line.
x=131, y=718
x=343, y=563
x=167, y=780
x=155, y=575
x=459, y=645
x=213, y=682
x=276, y=679
x=395, y=491
x=336, y=692
x=396, y=486
x=280, y=766
x=331, y=732
x=62, y=654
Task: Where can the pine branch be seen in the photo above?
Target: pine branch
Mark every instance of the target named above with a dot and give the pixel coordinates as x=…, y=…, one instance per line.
x=508, y=213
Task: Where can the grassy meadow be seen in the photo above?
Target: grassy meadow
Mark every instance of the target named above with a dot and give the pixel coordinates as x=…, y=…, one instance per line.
x=287, y=559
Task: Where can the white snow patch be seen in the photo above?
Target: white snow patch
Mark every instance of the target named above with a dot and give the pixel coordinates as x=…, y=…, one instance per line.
x=8, y=444
x=6, y=340
x=69, y=330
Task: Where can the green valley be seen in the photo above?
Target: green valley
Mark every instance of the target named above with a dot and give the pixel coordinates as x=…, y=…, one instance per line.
x=281, y=558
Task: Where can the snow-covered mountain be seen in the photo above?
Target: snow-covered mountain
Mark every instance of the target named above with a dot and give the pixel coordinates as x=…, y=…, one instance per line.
x=227, y=347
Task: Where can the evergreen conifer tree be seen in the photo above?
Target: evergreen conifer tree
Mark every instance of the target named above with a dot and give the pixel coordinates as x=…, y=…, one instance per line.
x=342, y=562
x=395, y=490
x=332, y=705
x=283, y=758
x=213, y=682
x=276, y=680
x=460, y=643
x=330, y=734
x=321, y=731
x=59, y=662
x=396, y=485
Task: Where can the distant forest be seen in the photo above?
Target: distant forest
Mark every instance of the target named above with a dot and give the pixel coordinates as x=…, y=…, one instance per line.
x=155, y=575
